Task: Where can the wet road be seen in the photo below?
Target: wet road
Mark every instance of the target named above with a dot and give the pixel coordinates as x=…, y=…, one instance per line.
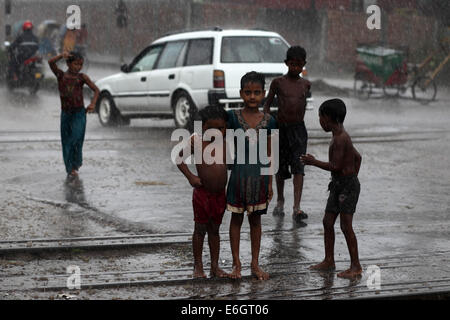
x=129, y=186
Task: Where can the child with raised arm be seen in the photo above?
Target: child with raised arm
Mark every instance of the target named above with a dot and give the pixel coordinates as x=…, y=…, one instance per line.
x=73, y=113
x=208, y=200
x=249, y=190
x=344, y=163
x=291, y=91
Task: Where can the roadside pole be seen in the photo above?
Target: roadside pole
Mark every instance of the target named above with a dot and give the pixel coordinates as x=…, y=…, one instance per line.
x=122, y=23
x=8, y=31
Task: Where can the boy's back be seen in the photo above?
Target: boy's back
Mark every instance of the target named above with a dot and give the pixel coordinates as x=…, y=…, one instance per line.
x=291, y=95
x=343, y=153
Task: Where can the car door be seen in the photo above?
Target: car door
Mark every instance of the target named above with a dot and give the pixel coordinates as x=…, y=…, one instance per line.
x=197, y=72
x=131, y=90
x=165, y=76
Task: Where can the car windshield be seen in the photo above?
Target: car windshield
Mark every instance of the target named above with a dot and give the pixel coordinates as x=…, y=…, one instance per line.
x=253, y=49
x=147, y=61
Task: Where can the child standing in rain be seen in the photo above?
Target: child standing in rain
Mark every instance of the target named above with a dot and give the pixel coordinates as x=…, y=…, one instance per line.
x=208, y=199
x=73, y=113
x=248, y=190
x=291, y=91
x=344, y=163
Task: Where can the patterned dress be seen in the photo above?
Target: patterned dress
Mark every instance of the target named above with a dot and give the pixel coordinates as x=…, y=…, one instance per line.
x=247, y=189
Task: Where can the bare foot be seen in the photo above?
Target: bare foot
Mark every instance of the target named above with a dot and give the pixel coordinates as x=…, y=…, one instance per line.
x=279, y=209
x=351, y=273
x=218, y=273
x=324, y=266
x=198, y=272
x=236, y=273
x=259, y=273
x=74, y=173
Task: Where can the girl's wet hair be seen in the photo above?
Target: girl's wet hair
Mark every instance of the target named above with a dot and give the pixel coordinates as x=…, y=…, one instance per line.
x=254, y=77
x=212, y=112
x=334, y=109
x=74, y=55
x=296, y=52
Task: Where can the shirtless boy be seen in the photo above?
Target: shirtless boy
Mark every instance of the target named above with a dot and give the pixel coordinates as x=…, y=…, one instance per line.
x=209, y=200
x=291, y=91
x=344, y=163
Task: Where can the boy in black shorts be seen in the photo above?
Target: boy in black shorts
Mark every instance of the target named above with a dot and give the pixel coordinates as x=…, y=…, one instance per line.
x=344, y=163
x=291, y=91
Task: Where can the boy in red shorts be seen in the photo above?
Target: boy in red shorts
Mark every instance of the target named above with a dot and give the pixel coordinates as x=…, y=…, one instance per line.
x=208, y=200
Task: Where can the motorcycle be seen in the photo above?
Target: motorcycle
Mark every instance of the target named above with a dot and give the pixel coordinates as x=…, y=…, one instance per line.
x=29, y=72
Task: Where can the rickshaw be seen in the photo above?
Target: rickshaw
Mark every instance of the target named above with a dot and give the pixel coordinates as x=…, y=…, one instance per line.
x=386, y=68
x=48, y=33
x=379, y=67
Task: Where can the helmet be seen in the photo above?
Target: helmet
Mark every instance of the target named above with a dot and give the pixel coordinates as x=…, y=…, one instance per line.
x=27, y=25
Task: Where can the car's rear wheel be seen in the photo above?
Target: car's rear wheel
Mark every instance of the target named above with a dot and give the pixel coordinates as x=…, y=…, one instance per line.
x=184, y=111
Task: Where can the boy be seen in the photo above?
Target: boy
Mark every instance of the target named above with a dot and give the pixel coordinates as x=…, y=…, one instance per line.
x=291, y=90
x=209, y=200
x=344, y=163
x=73, y=114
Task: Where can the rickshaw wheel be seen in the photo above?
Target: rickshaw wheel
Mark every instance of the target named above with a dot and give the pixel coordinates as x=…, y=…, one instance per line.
x=391, y=91
x=424, y=89
x=361, y=87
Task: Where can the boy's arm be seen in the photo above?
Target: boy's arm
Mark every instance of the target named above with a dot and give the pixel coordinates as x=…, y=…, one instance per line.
x=94, y=88
x=53, y=66
x=336, y=161
x=358, y=159
x=194, y=181
x=269, y=152
x=309, y=159
x=270, y=97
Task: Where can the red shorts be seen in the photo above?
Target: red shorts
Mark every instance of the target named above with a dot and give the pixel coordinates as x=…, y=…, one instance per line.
x=208, y=205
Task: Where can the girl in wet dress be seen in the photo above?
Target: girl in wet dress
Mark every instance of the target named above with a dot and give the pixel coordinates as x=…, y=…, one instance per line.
x=247, y=189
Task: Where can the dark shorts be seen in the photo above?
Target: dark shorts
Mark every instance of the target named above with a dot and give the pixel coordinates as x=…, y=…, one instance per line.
x=208, y=205
x=344, y=194
x=293, y=142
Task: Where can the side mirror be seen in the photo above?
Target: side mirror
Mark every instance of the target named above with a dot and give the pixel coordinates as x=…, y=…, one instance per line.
x=124, y=68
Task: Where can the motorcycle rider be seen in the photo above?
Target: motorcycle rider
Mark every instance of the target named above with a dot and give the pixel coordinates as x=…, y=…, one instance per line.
x=24, y=47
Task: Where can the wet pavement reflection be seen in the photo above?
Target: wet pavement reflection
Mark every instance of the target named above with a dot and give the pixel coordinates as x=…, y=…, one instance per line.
x=128, y=185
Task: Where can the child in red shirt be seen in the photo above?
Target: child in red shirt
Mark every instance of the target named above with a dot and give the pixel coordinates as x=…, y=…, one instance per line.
x=73, y=113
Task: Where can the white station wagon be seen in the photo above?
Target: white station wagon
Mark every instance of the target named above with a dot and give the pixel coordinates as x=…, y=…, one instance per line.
x=179, y=74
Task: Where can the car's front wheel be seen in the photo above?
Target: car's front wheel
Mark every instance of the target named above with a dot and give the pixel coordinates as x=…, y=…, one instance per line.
x=184, y=111
x=107, y=111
